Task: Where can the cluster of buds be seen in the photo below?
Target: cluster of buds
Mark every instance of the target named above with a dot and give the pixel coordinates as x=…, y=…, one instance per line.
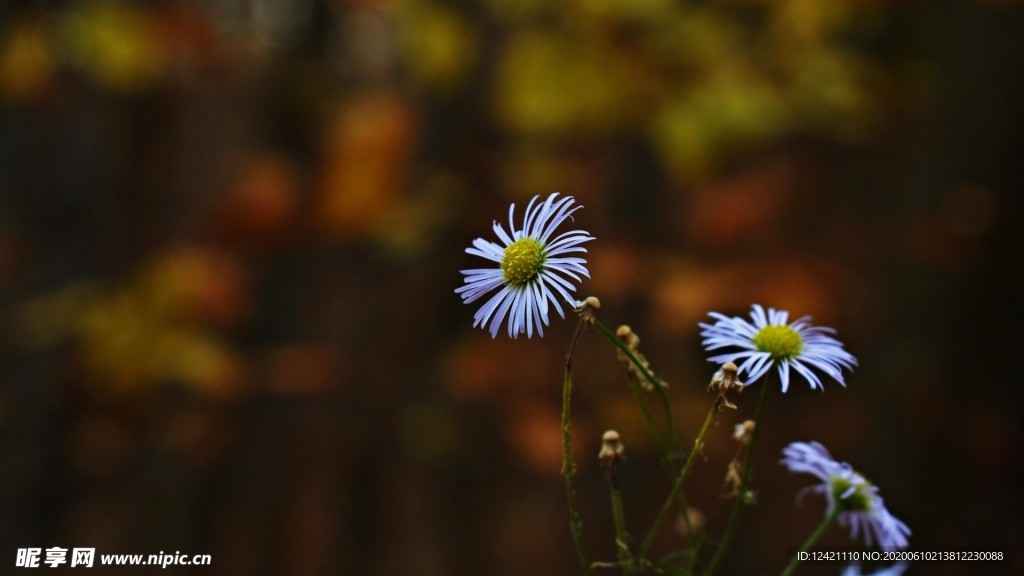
x=734, y=473
x=631, y=340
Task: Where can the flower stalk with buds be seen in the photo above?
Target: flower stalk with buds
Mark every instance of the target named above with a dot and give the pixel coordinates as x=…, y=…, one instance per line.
x=612, y=455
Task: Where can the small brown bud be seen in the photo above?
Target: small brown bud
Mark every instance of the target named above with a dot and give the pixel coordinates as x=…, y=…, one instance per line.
x=726, y=379
x=733, y=478
x=612, y=451
x=743, y=432
x=632, y=341
x=586, y=308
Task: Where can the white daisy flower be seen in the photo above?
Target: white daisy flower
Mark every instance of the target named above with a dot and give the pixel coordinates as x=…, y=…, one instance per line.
x=533, y=270
x=772, y=341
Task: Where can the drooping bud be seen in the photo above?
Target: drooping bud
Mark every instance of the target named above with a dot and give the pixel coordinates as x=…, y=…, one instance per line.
x=587, y=308
x=725, y=380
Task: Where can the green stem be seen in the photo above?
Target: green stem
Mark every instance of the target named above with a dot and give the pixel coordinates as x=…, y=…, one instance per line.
x=741, y=496
x=619, y=516
x=668, y=444
x=568, y=468
x=698, y=446
x=811, y=540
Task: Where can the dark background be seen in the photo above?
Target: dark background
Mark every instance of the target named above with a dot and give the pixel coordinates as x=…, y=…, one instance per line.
x=230, y=232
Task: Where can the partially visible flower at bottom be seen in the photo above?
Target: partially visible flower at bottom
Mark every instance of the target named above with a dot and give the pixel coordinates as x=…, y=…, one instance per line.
x=895, y=570
x=860, y=506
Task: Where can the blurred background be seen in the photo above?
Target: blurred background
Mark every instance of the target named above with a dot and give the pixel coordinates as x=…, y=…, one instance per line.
x=230, y=232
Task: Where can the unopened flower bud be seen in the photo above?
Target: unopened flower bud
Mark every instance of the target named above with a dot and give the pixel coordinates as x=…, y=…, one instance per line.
x=612, y=451
x=734, y=471
x=743, y=432
x=642, y=377
x=629, y=338
x=733, y=477
x=587, y=307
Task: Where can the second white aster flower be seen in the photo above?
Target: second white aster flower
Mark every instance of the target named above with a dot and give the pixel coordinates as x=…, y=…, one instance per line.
x=769, y=339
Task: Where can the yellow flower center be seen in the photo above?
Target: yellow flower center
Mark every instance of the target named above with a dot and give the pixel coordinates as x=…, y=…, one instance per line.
x=858, y=501
x=522, y=261
x=781, y=341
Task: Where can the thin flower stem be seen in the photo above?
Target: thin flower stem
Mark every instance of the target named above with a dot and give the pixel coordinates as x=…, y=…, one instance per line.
x=619, y=517
x=668, y=443
x=568, y=467
x=811, y=540
x=741, y=496
x=698, y=446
